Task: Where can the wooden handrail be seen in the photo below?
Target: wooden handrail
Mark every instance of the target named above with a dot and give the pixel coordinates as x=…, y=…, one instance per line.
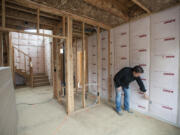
x=29, y=71
x=21, y=52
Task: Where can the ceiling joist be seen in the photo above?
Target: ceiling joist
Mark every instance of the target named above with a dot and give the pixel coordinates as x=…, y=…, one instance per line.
x=111, y=6
x=34, y=5
x=141, y=6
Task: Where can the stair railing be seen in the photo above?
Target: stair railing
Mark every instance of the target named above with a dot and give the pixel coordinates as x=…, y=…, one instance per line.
x=27, y=64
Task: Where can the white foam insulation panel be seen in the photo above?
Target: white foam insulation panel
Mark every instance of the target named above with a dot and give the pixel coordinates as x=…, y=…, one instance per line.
x=153, y=43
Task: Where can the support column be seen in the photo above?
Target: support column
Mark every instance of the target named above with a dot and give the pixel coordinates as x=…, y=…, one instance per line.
x=38, y=12
x=98, y=65
x=109, y=67
x=69, y=68
x=84, y=66
x=1, y=50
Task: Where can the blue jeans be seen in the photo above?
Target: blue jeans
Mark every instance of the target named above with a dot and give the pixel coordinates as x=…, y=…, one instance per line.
x=126, y=99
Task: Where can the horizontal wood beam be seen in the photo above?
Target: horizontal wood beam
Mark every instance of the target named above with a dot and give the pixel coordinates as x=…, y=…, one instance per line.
x=108, y=5
x=141, y=6
x=34, y=5
x=25, y=32
x=29, y=11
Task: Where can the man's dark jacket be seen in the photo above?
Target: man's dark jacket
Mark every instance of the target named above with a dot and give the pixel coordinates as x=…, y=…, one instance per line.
x=125, y=76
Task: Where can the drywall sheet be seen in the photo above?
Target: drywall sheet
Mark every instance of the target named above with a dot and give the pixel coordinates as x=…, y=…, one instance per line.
x=121, y=50
x=140, y=55
x=165, y=64
x=8, y=114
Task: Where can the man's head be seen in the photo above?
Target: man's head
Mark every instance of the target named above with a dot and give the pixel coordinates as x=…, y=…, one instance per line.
x=137, y=71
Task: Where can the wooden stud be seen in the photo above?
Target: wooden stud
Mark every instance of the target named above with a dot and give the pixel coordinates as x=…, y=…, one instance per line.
x=58, y=73
x=109, y=66
x=86, y=42
x=83, y=66
x=98, y=64
x=38, y=12
x=1, y=50
x=76, y=65
x=141, y=6
x=64, y=25
x=69, y=68
x=54, y=66
x=3, y=14
x=31, y=72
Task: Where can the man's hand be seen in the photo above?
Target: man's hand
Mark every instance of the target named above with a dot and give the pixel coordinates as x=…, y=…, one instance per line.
x=146, y=96
x=119, y=88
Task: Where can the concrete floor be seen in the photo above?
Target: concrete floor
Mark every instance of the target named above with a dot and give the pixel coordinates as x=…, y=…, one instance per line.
x=39, y=114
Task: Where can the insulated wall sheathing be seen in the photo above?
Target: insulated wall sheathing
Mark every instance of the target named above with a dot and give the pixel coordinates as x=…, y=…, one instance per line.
x=92, y=64
x=121, y=50
x=140, y=55
x=165, y=64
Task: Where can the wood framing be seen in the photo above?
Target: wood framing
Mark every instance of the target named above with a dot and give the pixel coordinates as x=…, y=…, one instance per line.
x=1, y=50
x=83, y=66
x=58, y=72
x=25, y=32
x=141, y=6
x=108, y=5
x=47, y=9
x=64, y=25
x=69, y=68
x=86, y=43
x=54, y=48
x=98, y=64
x=3, y=14
x=109, y=66
x=76, y=64
x=38, y=12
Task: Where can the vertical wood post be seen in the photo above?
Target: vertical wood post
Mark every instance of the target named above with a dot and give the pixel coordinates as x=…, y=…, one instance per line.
x=13, y=66
x=59, y=71
x=64, y=25
x=1, y=50
x=76, y=65
x=86, y=42
x=3, y=14
x=98, y=65
x=83, y=66
x=109, y=66
x=69, y=68
x=31, y=72
x=38, y=20
x=25, y=63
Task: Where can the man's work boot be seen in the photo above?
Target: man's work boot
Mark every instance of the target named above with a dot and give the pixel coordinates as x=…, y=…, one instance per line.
x=120, y=113
x=129, y=111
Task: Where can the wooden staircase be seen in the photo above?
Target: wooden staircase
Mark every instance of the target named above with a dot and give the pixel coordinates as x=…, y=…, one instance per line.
x=40, y=80
x=26, y=71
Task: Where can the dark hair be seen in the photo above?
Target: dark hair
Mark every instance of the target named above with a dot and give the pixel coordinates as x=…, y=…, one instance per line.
x=138, y=69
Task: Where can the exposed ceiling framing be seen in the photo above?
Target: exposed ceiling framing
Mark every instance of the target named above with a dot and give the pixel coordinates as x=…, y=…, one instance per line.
x=102, y=13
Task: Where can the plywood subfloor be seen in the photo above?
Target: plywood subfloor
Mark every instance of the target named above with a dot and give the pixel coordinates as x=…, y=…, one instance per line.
x=39, y=114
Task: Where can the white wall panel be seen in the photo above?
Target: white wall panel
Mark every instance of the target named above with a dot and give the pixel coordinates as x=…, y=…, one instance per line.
x=165, y=64
x=140, y=55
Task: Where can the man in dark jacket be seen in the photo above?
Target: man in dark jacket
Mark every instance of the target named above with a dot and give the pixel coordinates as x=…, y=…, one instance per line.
x=122, y=80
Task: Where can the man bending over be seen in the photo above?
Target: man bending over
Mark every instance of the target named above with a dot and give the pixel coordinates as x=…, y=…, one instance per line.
x=121, y=82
